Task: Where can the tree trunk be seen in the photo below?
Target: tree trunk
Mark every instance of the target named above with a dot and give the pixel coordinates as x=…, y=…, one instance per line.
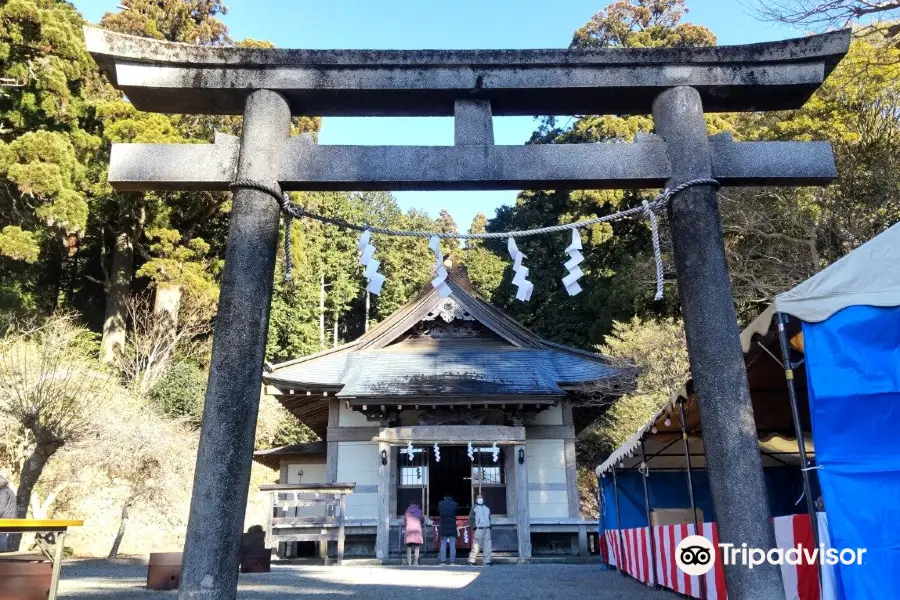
x=322, y=312
x=813, y=250
x=119, y=285
x=31, y=472
x=123, y=522
x=335, y=331
x=168, y=301
x=53, y=271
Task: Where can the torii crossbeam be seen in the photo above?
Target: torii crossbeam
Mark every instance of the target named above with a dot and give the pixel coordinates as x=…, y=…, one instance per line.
x=269, y=86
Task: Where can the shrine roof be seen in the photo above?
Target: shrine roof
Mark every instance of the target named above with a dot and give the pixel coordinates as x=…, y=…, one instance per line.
x=271, y=457
x=460, y=346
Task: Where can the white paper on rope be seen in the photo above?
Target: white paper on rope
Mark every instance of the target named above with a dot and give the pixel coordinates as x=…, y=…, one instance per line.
x=520, y=280
x=570, y=281
x=375, y=280
x=440, y=280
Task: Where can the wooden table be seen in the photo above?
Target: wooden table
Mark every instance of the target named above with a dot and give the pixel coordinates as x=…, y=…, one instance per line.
x=50, y=534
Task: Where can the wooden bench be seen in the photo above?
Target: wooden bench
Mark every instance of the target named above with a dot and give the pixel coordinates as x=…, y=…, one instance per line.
x=50, y=535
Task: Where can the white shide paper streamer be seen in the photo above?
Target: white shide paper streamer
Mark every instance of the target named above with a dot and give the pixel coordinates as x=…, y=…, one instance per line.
x=570, y=281
x=440, y=281
x=366, y=259
x=520, y=280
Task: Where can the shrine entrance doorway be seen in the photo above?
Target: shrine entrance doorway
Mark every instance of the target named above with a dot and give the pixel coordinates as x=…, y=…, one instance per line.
x=426, y=480
x=451, y=476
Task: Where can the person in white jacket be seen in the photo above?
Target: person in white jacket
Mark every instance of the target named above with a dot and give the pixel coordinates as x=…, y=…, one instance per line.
x=480, y=522
x=7, y=507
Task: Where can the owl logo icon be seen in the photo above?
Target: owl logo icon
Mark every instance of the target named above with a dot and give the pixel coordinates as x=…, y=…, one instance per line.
x=695, y=555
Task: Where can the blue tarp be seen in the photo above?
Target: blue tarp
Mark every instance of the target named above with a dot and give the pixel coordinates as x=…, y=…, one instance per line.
x=853, y=370
x=668, y=489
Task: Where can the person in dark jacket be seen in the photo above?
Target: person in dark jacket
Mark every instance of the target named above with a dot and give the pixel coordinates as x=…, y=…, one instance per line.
x=447, y=510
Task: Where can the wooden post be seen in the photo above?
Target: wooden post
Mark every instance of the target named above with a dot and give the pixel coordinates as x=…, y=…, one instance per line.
x=331, y=447
x=571, y=463
x=383, y=528
x=583, y=540
x=59, y=539
x=619, y=560
x=523, y=512
x=271, y=513
x=340, y=541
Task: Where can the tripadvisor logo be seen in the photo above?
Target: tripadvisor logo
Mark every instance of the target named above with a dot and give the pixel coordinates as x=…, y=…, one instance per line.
x=695, y=555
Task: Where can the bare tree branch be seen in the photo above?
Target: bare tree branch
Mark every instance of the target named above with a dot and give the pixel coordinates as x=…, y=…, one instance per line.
x=155, y=338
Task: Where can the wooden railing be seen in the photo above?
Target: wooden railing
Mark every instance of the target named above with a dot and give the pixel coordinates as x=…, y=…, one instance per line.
x=327, y=503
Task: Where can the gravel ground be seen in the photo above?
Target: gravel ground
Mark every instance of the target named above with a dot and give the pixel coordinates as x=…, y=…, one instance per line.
x=125, y=581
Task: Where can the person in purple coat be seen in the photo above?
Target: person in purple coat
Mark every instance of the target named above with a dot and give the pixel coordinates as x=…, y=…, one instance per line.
x=414, y=523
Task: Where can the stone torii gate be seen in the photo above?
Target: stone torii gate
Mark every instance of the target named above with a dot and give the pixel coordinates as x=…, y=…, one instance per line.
x=269, y=86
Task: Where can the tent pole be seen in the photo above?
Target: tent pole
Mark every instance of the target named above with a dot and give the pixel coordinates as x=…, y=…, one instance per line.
x=619, y=560
x=687, y=460
x=647, y=509
x=801, y=442
x=690, y=482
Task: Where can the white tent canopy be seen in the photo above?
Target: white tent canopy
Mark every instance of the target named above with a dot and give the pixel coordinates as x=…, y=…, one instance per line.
x=870, y=276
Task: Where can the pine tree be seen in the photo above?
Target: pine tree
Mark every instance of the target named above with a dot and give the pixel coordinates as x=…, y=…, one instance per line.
x=46, y=145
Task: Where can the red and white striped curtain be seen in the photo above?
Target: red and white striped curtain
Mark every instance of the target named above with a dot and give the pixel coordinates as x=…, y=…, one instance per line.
x=629, y=551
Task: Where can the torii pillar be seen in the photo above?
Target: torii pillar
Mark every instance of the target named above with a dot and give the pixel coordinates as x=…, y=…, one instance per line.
x=268, y=86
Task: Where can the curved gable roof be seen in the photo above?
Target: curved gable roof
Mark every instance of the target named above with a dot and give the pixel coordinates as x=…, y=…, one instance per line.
x=375, y=365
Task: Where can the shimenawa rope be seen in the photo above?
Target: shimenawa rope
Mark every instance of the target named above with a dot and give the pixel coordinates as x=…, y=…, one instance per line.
x=650, y=209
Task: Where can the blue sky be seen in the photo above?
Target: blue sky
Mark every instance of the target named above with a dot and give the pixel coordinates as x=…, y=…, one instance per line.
x=460, y=24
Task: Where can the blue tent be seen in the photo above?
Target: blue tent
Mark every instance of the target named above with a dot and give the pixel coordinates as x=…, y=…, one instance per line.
x=850, y=315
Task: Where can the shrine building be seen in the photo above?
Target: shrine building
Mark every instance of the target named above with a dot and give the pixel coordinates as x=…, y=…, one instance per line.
x=445, y=396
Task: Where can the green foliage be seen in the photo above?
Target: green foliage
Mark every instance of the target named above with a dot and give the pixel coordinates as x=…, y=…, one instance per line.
x=642, y=24
x=618, y=283
x=446, y=224
x=658, y=349
x=180, y=392
x=46, y=139
x=18, y=244
x=292, y=431
x=174, y=263
x=326, y=266
x=189, y=21
x=484, y=266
